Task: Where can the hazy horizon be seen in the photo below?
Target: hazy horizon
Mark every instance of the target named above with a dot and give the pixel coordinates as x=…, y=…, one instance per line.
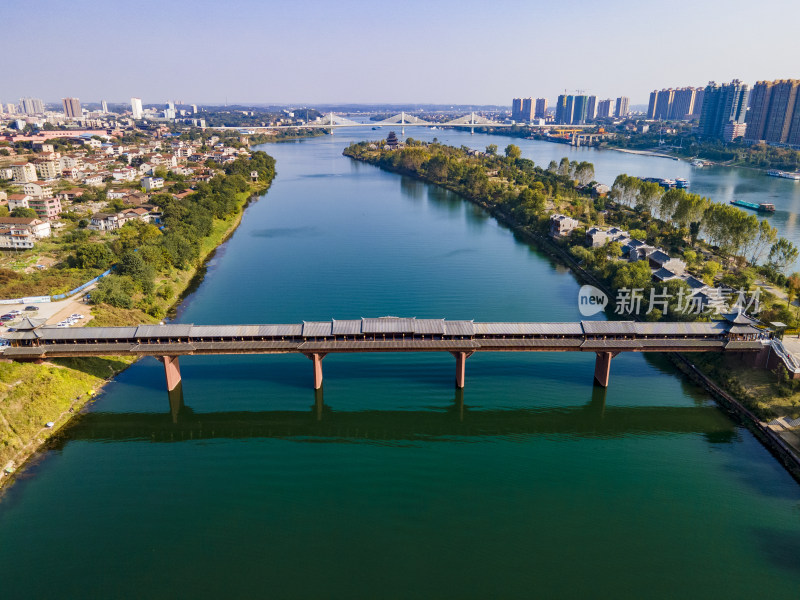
x=359, y=52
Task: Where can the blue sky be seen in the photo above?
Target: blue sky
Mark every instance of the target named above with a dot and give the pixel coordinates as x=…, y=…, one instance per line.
x=434, y=51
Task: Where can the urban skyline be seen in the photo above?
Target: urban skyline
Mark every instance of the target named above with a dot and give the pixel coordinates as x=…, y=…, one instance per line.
x=292, y=55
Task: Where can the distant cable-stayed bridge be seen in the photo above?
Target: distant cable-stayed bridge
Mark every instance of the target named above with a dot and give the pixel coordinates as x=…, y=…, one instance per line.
x=334, y=120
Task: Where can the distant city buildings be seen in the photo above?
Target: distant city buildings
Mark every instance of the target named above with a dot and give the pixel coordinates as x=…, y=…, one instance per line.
x=541, y=108
x=723, y=104
x=571, y=109
x=679, y=104
x=522, y=109
x=621, y=108
x=104, y=107
x=605, y=109
x=31, y=106
x=774, y=115
x=136, y=108
x=72, y=108
x=591, y=108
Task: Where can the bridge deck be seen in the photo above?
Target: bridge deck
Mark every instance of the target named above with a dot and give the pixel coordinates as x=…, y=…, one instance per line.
x=385, y=334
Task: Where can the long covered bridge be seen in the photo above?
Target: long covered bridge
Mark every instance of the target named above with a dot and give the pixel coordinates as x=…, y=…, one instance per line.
x=316, y=339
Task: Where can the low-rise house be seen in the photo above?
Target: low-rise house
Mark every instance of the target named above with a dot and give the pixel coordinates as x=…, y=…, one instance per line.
x=18, y=201
x=596, y=237
x=38, y=189
x=637, y=250
x=152, y=183
x=71, y=195
x=661, y=260
x=118, y=194
x=47, y=209
x=104, y=222
x=125, y=174
x=23, y=172
x=22, y=232
x=664, y=275
x=135, y=199
x=71, y=173
x=95, y=180
x=130, y=214
x=48, y=169
x=562, y=225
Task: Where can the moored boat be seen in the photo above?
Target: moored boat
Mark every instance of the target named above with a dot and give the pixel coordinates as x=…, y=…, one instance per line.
x=763, y=207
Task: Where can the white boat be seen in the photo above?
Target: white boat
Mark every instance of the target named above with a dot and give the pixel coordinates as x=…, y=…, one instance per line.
x=784, y=175
x=698, y=163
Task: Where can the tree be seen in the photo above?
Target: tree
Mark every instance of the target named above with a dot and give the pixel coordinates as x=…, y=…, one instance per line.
x=93, y=256
x=793, y=286
x=781, y=255
x=24, y=213
x=491, y=149
x=767, y=234
x=513, y=152
x=710, y=271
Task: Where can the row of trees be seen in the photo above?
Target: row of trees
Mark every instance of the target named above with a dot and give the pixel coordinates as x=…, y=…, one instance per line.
x=734, y=231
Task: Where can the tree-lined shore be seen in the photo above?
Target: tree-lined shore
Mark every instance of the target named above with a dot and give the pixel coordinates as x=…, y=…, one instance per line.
x=720, y=244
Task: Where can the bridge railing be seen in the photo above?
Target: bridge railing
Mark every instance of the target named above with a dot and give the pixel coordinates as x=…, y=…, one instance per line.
x=791, y=363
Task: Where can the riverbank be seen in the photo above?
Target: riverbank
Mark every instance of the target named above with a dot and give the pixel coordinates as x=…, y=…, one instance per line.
x=38, y=400
x=501, y=207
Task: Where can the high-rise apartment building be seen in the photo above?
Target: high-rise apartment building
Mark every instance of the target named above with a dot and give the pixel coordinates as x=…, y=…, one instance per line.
x=561, y=110
x=11, y=109
x=774, y=114
x=31, y=106
x=660, y=104
x=136, y=108
x=682, y=107
x=104, y=107
x=72, y=108
x=621, y=108
x=527, y=109
x=571, y=110
x=591, y=108
x=516, y=108
x=723, y=104
x=541, y=108
x=522, y=109
x=605, y=109
x=781, y=107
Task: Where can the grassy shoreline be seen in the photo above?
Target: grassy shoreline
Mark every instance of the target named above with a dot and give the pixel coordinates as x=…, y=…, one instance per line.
x=55, y=391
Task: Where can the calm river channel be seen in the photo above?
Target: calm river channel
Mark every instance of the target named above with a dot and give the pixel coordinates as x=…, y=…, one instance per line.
x=539, y=485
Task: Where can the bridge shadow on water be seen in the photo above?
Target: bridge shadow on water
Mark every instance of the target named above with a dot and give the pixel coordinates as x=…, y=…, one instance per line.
x=321, y=422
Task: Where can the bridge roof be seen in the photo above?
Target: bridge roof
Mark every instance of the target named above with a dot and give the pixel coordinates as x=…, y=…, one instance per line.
x=294, y=330
x=171, y=330
x=608, y=327
x=711, y=328
x=528, y=328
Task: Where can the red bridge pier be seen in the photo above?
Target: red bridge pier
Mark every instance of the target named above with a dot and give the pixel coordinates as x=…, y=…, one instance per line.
x=461, y=364
x=317, y=357
x=172, y=370
x=602, y=368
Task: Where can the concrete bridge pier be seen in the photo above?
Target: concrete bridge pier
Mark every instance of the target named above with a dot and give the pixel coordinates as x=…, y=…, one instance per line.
x=172, y=370
x=316, y=358
x=461, y=364
x=602, y=368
